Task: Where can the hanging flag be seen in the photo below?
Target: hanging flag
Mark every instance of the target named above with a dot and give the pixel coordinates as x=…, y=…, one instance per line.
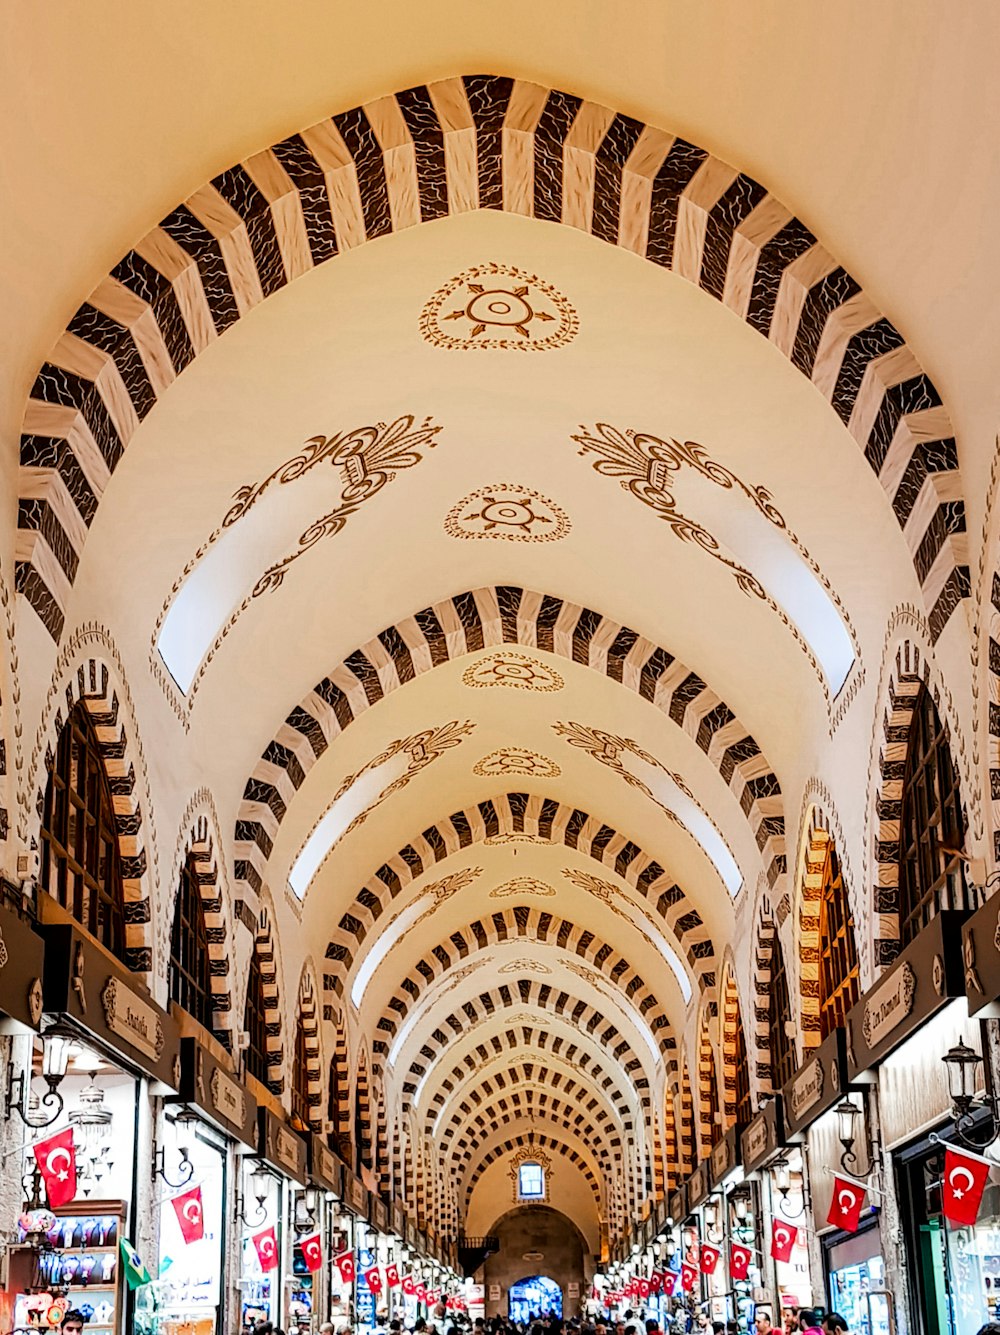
x=345, y=1264
x=656, y=1281
x=373, y=1278
x=409, y=1285
x=136, y=1273
x=266, y=1243
x=708, y=1258
x=846, y=1202
x=392, y=1275
x=688, y=1277
x=670, y=1278
x=782, y=1240
x=312, y=1252
x=421, y=1291
x=739, y=1261
x=56, y=1159
x=643, y=1287
x=189, y=1214
x=963, y=1185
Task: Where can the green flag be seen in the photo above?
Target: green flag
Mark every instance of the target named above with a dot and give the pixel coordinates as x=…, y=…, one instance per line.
x=136, y=1273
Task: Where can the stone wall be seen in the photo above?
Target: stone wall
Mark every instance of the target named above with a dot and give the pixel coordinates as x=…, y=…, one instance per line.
x=537, y=1229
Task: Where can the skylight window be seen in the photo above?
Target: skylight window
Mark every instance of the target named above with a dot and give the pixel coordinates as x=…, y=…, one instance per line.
x=531, y=1182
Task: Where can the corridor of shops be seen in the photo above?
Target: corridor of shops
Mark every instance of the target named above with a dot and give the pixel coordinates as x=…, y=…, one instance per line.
x=500, y=691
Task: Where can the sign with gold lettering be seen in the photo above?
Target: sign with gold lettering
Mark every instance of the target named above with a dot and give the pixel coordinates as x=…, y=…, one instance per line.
x=889, y=1004
x=131, y=1018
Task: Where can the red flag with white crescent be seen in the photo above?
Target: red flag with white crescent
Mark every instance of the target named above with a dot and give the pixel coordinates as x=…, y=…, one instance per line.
x=783, y=1240
x=708, y=1258
x=962, y=1185
x=266, y=1243
x=656, y=1281
x=392, y=1275
x=846, y=1204
x=312, y=1252
x=56, y=1159
x=373, y=1278
x=739, y=1261
x=408, y=1285
x=688, y=1277
x=644, y=1287
x=421, y=1292
x=669, y=1282
x=190, y=1216
x=345, y=1264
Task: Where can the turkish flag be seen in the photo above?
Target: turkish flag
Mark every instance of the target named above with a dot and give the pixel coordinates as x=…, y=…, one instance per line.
x=56, y=1159
x=656, y=1281
x=708, y=1258
x=739, y=1261
x=669, y=1282
x=962, y=1186
x=421, y=1292
x=189, y=1214
x=373, y=1278
x=409, y=1287
x=643, y=1288
x=782, y=1240
x=312, y=1251
x=392, y=1275
x=267, y=1248
x=688, y=1277
x=845, y=1205
x=345, y=1264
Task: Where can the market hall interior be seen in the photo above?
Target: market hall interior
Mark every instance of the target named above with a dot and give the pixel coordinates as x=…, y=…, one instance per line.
x=500, y=701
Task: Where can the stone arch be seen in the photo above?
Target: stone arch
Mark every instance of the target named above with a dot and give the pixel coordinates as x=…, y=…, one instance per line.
x=339, y=1094
x=463, y=944
x=732, y=1041
x=477, y=142
x=265, y=948
x=765, y=931
x=308, y=1017
x=689, y=1140
x=496, y=616
x=544, y=1142
x=362, y=1129
x=98, y=683
x=381, y=1167
x=199, y=840
x=11, y=732
x=709, y=1105
x=672, y=1171
x=484, y=1123
x=510, y=816
x=909, y=671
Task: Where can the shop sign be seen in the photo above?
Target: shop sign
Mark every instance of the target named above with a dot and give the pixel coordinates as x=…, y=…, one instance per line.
x=282, y=1147
x=678, y=1206
x=325, y=1167
x=981, y=958
x=21, y=965
x=928, y=973
x=81, y=982
x=398, y=1218
x=698, y=1184
x=356, y=1194
x=380, y=1214
x=725, y=1155
x=763, y=1136
x=494, y=1293
x=815, y=1086
x=206, y=1083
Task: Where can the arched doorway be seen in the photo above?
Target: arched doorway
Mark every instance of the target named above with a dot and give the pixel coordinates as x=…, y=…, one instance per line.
x=532, y=1296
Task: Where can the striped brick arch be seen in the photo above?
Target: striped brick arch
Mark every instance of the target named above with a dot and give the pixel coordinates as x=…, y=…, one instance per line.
x=561, y=1059
x=542, y=818
x=733, y=1045
x=308, y=1018
x=910, y=671
x=199, y=847
x=816, y=855
x=479, y=142
x=526, y=1091
x=537, y=927
x=672, y=1169
x=265, y=948
x=765, y=939
x=500, y=1112
x=363, y=1142
x=708, y=1088
x=527, y=992
x=480, y=619
x=689, y=1141
x=90, y=685
x=542, y=1142
x=339, y=1096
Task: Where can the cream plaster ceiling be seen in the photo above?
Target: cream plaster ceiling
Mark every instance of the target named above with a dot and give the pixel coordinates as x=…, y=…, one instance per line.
x=854, y=117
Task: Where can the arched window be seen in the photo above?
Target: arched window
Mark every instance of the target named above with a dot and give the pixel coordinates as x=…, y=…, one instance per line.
x=712, y=1109
x=744, y=1103
x=780, y=1020
x=530, y=1182
x=931, y=829
x=300, y=1080
x=80, y=863
x=190, y=978
x=255, y=1024
x=839, y=971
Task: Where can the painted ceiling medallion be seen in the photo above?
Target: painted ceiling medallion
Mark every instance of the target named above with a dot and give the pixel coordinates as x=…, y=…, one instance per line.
x=506, y=667
x=498, y=307
x=516, y=760
x=513, y=837
x=507, y=512
x=523, y=885
x=525, y=966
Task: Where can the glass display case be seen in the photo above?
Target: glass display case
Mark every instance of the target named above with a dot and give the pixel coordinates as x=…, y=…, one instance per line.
x=80, y=1260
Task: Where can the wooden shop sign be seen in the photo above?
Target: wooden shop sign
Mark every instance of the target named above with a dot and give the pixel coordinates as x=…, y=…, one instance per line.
x=677, y=1205
x=22, y=956
x=281, y=1147
x=981, y=959
x=764, y=1136
x=215, y=1090
x=699, y=1184
x=325, y=1167
x=817, y=1085
x=927, y=975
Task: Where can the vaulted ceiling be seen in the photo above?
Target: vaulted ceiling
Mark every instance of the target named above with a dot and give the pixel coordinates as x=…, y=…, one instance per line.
x=497, y=487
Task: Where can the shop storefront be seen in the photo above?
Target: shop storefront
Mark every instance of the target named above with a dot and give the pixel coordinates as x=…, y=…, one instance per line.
x=116, y=1049
x=265, y=1214
x=763, y=1145
x=727, y=1293
x=897, y=1035
x=697, y=1190
x=312, y=1295
x=200, y=1134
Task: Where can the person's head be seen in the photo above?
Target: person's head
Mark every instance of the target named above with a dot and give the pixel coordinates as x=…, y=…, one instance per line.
x=835, y=1324
x=809, y=1318
x=991, y=1327
x=762, y=1323
x=718, y=1328
x=73, y=1322
x=344, y=1329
